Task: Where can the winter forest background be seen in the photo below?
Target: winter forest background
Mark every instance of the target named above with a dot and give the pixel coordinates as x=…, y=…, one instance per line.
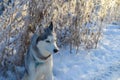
x=79, y=25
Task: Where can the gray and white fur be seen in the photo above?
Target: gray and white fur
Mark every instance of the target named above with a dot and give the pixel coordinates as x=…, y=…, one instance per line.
x=38, y=60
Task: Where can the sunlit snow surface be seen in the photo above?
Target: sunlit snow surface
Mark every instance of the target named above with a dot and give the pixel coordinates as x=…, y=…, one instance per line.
x=102, y=63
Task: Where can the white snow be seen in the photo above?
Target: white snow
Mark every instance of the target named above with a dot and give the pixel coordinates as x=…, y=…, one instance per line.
x=102, y=63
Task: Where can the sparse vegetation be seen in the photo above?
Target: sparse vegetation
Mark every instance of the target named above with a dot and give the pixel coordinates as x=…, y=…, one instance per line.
x=77, y=23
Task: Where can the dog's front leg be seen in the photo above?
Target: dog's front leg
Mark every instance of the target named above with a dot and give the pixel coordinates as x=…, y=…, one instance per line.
x=49, y=77
x=32, y=72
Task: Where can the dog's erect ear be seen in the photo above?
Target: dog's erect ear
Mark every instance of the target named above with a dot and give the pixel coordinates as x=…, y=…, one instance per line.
x=49, y=29
x=51, y=26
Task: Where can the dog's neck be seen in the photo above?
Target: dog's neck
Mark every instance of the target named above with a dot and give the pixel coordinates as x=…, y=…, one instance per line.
x=39, y=55
x=37, y=58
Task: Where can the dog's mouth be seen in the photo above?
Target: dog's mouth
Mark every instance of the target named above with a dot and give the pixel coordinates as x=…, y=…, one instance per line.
x=56, y=53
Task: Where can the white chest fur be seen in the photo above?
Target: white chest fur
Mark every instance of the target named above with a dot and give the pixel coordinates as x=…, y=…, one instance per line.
x=42, y=71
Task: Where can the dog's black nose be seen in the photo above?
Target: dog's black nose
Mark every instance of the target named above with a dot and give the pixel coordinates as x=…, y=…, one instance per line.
x=55, y=50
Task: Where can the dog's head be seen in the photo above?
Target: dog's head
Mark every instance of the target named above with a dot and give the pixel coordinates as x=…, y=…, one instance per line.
x=46, y=42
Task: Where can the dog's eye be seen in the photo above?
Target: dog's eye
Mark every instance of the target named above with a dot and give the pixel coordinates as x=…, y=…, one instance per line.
x=47, y=41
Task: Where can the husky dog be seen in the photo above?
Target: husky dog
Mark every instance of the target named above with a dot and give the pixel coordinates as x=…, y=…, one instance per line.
x=38, y=60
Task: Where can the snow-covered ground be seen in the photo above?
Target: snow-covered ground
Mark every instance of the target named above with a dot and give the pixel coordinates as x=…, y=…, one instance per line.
x=102, y=63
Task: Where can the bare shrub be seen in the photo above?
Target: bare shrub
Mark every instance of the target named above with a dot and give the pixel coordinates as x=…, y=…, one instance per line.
x=78, y=23
x=13, y=34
